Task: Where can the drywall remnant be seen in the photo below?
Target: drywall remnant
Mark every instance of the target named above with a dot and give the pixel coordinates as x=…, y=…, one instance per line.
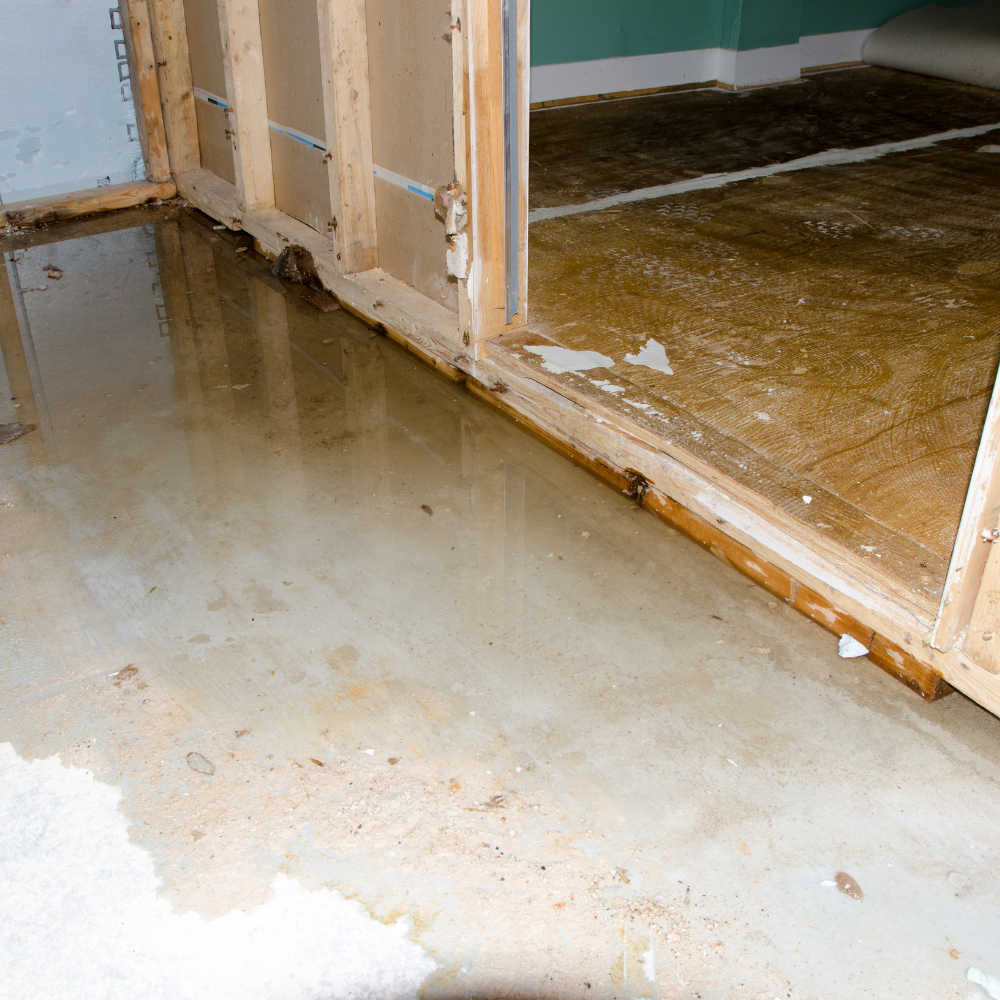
x=560, y=360
x=451, y=206
x=989, y=983
x=849, y=648
x=651, y=355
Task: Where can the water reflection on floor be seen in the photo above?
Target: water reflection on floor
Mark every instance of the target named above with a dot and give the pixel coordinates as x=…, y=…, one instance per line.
x=439, y=668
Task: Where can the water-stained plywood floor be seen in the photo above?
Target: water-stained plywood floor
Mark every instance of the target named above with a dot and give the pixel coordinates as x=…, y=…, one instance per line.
x=832, y=332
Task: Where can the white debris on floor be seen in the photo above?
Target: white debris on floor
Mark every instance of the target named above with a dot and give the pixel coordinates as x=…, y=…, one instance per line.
x=72, y=885
x=651, y=355
x=849, y=648
x=561, y=359
x=989, y=983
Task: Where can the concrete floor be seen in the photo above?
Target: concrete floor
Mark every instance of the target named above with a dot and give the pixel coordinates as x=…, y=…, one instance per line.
x=442, y=671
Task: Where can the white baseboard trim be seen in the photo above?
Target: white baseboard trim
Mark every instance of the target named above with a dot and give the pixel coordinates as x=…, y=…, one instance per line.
x=750, y=68
x=756, y=67
x=621, y=74
x=832, y=49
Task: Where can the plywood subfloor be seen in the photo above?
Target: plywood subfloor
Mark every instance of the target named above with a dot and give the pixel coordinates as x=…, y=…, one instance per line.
x=833, y=333
x=591, y=151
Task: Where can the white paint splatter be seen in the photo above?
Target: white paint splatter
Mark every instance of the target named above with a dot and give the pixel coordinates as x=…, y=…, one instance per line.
x=561, y=359
x=82, y=916
x=649, y=964
x=605, y=386
x=651, y=355
x=761, y=415
x=849, y=648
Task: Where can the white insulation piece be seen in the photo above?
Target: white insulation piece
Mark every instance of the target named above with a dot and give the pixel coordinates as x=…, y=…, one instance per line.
x=953, y=43
x=989, y=983
x=849, y=648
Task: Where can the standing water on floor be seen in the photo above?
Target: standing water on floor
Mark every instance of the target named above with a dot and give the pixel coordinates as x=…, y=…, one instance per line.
x=359, y=690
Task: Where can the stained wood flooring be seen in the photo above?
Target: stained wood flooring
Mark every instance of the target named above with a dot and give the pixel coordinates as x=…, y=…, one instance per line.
x=833, y=333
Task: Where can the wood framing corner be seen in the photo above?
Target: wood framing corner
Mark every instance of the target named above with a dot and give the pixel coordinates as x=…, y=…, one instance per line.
x=145, y=89
x=173, y=67
x=483, y=46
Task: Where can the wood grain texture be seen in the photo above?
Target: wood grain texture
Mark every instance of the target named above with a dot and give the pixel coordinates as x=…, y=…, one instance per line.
x=904, y=667
x=722, y=460
x=145, y=90
x=918, y=676
x=460, y=106
x=168, y=26
x=839, y=604
x=343, y=41
x=599, y=149
x=486, y=180
x=982, y=639
x=213, y=195
x=77, y=203
x=972, y=575
x=853, y=351
x=243, y=66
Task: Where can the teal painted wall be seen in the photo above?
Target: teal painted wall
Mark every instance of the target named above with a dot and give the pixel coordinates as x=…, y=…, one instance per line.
x=577, y=30
x=850, y=15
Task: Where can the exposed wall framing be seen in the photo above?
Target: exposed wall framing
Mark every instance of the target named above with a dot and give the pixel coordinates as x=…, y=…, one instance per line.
x=365, y=152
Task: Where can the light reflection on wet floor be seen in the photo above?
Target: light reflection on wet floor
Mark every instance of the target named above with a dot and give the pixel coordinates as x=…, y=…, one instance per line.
x=310, y=546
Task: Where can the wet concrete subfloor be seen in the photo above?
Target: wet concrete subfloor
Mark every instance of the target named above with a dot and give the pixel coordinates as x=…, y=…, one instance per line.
x=255, y=532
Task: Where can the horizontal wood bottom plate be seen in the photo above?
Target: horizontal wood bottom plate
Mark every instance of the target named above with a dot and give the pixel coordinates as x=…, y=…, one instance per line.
x=846, y=606
x=890, y=657
x=78, y=203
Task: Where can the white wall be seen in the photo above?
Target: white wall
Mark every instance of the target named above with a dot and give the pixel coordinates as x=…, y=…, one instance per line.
x=66, y=117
